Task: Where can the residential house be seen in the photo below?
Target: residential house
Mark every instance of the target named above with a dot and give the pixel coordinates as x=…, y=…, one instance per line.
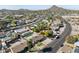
x=2, y=35
x=21, y=30
x=37, y=39
x=18, y=46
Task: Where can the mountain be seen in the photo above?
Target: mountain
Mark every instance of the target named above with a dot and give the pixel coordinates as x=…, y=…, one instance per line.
x=13, y=12
x=59, y=10
x=54, y=9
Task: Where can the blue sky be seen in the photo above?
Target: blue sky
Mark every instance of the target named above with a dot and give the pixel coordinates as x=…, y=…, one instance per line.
x=74, y=7
x=36, y=7
x=31, y=7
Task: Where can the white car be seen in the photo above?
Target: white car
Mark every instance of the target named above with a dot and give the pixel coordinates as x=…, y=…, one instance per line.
x=57, y=37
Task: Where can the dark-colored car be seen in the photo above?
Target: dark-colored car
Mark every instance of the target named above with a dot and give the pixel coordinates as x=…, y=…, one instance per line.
x=47, y=49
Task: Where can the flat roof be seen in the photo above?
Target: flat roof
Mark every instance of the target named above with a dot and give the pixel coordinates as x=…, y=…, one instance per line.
x=76, y=43
x=18, y=46
x=20, y=30
x=36, y=38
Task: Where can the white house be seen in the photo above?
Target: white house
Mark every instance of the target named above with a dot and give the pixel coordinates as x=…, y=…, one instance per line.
x=21, y=30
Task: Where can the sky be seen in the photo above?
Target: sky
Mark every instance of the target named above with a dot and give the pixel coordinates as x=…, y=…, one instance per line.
x=36, y=7
x=73, y=7
x=31, y=7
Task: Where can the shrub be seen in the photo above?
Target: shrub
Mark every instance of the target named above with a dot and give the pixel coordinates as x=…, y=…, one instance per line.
x=72, y=39
x=47, y=33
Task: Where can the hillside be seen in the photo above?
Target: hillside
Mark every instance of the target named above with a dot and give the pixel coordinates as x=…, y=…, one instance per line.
x=62, y=11
x=54, y=9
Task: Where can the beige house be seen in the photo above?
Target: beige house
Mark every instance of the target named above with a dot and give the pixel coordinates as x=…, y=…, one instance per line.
x=65, y=49
x=37, y=39
x=18, y=46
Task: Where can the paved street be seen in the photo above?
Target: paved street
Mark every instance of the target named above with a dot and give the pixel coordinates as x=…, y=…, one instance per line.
x=55, y=44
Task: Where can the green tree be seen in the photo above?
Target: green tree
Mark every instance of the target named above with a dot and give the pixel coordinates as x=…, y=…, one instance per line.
x=3, y=24
x=29, y=43
x=72, y=39
x=13, y=23
x=9, y=18
x=40, y=26
x=47, y=33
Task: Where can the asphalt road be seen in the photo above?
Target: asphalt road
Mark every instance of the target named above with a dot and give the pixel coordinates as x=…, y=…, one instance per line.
x=56, y=44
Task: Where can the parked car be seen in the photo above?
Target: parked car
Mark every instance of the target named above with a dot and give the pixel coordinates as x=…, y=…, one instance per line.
x=47, y=49
x=57, y=37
